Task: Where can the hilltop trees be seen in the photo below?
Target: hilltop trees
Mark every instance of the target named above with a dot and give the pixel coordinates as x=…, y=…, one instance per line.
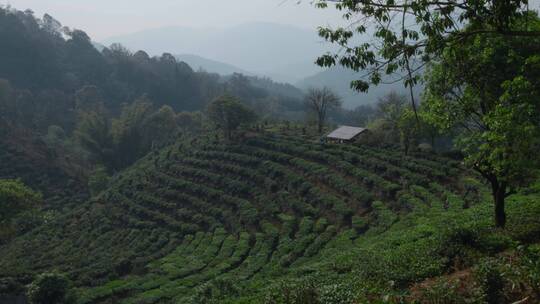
x=488, y=87
x=118, y=142
x=320, y=102
x=227, y=114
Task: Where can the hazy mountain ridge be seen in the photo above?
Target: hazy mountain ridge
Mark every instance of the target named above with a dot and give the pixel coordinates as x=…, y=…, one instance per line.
x=211, y=66
x=339, y=79
x=266, y=56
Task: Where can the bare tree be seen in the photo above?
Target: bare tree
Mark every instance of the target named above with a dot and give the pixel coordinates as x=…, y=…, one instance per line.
x=320, y=101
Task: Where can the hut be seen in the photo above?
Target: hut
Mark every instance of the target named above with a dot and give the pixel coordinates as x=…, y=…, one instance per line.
x=346, y=134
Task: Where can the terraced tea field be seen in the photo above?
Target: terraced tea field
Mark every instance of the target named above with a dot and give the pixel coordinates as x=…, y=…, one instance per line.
x=245, y=212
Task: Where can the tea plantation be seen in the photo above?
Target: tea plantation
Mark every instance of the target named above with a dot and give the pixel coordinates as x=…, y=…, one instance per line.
x=282, y=219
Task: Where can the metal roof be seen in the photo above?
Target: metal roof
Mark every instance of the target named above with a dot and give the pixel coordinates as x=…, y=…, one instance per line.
x=345, y=132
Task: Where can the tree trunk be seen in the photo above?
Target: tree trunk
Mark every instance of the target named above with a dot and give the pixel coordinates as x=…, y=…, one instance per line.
x=500, y=214
x=499, y=196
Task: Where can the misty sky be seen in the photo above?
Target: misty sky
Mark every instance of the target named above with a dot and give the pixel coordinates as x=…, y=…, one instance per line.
x=106, y=18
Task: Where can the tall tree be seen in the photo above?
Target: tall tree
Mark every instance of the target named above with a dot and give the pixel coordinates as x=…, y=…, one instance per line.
x=128, y=132
x=408, y=130
x=227, y=114
x=320, y=101
x=93, y=133
x=489, y=88
x=391, y=107
x=160, y=127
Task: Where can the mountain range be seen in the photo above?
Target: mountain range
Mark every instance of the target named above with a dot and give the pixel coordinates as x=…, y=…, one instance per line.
x=339, y=80
x=213, y=66
x=255, y=47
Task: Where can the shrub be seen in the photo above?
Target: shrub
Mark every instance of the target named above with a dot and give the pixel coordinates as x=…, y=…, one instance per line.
x=490, y=278
x=50, y=288
x=214, y=292
x=445, y=291
x=359, y=224
x=337, y=294
x=304, y=292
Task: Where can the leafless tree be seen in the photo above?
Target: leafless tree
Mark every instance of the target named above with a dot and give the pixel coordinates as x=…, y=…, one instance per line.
x=320, y=101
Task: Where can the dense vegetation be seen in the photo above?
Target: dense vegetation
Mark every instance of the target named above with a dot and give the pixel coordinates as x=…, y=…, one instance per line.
x=202, y=220
x=280, y=194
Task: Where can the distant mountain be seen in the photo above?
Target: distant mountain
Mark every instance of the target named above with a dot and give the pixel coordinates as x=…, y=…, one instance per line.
x=283, y=52
x=212, y=66
x=339, y=79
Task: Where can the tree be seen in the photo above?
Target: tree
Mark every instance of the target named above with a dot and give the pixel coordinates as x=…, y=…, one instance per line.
x=408, y=130
x=50, y=288
x=391, y=108
x=489, y=89
x=361, y=115
x=15, y=199
x=406, y=34
x=7, y=106
x=128, y=132
x=189, y=121
x=88, y=98
x=227, y=114
x=159, y=128
x=93, y=133
x=320, y=102
x=386, y=127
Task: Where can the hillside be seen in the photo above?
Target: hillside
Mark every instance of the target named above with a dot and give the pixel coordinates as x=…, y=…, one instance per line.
x=231, y=221
x=195, y=211
x=55, y=66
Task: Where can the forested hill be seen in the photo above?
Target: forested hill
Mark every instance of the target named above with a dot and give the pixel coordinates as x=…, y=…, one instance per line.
x=47, y=58
x=66, y=107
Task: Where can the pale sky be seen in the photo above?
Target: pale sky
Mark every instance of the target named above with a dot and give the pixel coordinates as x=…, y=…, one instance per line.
x=105, y=18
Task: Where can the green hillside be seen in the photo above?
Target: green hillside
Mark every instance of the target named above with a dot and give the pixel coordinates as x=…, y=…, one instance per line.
x=249, y=215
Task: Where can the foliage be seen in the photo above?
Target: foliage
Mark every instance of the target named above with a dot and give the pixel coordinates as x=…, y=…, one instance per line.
x=487, y=89
x=282, y=202
x=98, y=180
x=50, y=288
x=15, y=197
x=407, y=34
x=408, y=130
x=93, y=134
x=491, y=281
x=18, y=205
x=227, y=113
x=189, y=121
